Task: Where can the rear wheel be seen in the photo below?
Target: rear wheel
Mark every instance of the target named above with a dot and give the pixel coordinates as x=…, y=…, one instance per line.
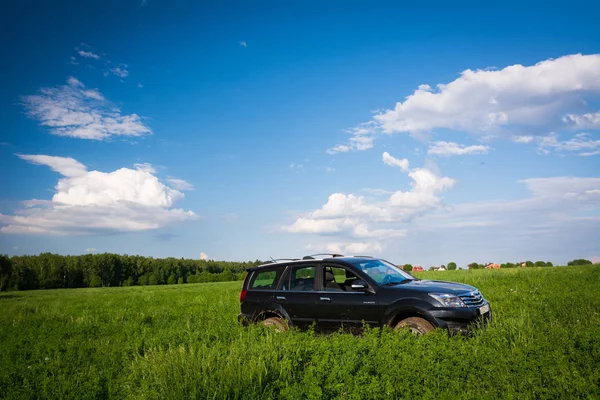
x=277, y=323
x=416, y=325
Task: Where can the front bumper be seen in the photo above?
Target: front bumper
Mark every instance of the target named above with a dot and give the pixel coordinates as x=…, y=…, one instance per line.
x=461, y=320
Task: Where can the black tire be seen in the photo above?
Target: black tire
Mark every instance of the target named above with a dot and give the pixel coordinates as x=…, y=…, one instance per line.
x=277, y=323
x=416, y=325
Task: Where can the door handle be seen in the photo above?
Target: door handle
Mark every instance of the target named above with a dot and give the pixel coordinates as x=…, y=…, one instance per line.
x=280, y=297
x=324, y=298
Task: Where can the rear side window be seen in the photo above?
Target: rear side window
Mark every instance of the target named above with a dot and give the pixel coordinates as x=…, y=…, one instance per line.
x=265, y=280
x=300, y=278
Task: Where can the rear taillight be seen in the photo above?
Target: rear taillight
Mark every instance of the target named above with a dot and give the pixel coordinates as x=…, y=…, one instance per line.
x=243, y=295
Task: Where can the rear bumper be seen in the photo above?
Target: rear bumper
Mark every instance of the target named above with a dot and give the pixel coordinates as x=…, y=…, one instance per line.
x=244, y=319
x=461, y=321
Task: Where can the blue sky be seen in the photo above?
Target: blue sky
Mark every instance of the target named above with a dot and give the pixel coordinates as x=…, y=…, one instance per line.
x=238, y=130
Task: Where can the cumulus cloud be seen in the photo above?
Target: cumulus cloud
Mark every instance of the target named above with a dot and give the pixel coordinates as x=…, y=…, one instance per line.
x=88, y=54
x=525, y=100
x=146, y=167
x=180, y=184
x=585, y=121
x=87, y=202
x=454, y=149
x=243, y=44
x=203, y=256
x=91, y=250
x=482, y=101
x=120, y=71
x=523, y=139
x=361, y=138
x=351, y=216
x=73, y=110
x=581, y=143
x=394, y=162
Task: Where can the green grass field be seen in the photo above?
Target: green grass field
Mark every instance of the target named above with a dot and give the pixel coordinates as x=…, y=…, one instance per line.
x=183, y=341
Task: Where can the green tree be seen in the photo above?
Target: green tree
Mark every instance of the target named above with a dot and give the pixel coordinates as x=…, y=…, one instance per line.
x=579, y=261
x=529, y=264
x=5, y=271
x=180, y=280
x=451, y=266
x=407, y=267
x=171, y=280
x=152, y=280
x=96, y=281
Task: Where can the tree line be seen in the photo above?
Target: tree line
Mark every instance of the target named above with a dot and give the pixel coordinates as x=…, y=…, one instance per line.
x=53, y=271
x=452, y=265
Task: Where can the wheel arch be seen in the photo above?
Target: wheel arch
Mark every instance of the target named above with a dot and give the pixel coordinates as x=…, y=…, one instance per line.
x=272, y=312
x=407, y=309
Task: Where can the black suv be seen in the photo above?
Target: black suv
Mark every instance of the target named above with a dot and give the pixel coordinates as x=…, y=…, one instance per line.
x=340, y=291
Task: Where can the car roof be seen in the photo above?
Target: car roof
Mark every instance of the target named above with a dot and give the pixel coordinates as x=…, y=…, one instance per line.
x=288, y=261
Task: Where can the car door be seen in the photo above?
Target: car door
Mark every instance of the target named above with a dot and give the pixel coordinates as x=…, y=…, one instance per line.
x=297, y=294
x=339, y=304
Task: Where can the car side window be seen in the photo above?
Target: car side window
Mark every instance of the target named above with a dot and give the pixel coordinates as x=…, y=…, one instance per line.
x=265, y=280
x=301, y=278
x=337, y=279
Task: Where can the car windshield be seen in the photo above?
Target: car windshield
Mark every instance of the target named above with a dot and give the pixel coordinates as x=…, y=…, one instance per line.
x=383, y=272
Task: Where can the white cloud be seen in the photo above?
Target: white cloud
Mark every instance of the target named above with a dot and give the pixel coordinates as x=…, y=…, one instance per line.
x=550, y=95
x=329, y=169
x=523, y=139
x=66, y=166
x=146, y=167
x=585, y=121
x=88, y=54
x=74, y=111
x=91, y=250
x=482, y=101
x=581, y=142
x=243, y=44
x=455, y=149
x=120, y=71
x=351, y=216
x=362, y=138
x=203, y=256
x=87, y=202
x=180, y=184
x=394, y=162
x=296, y=166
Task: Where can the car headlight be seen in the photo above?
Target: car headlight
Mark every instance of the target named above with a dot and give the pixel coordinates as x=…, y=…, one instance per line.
x=448, y=300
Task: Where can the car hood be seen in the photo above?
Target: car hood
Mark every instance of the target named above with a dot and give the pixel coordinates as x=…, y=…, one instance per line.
x=431, y=286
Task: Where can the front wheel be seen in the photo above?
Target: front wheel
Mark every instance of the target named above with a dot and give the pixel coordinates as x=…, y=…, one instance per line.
x=277, y=323
x=416, y=325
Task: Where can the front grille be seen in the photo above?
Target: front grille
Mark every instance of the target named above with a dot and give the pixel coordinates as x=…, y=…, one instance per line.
x=472, y=299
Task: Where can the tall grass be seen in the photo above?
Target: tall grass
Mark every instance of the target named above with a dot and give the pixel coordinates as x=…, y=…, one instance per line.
x=173, y=342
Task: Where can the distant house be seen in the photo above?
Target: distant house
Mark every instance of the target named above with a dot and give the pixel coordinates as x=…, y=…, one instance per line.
x=492, y=266
x=442, y=268
x=417, y=268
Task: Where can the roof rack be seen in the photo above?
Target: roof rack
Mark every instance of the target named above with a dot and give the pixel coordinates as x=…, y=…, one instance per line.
x=364, y=256
x=315, y=256
x=276, y=260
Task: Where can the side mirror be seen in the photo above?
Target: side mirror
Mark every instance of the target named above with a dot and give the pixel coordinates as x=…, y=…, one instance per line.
x=360, y=286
